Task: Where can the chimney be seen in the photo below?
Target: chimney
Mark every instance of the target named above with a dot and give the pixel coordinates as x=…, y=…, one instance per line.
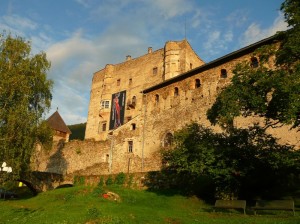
x=149, y=50
x=128, y=57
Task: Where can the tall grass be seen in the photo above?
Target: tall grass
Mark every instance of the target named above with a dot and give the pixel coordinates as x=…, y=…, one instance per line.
x=86, y=205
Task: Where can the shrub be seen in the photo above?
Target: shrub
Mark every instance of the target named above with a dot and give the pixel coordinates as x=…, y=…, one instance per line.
x=120, y=178
x=109, y=181
x=79, y=180
x=101, y=182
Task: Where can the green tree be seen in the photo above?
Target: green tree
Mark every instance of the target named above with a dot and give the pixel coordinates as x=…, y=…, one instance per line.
x=25, y=94
x=242, y=162
x=263, y=91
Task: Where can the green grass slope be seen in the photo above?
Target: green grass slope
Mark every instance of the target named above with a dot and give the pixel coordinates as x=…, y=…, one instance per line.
x=87, y=205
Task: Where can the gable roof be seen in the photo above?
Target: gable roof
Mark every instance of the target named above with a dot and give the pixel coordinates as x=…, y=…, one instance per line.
x=56, y=122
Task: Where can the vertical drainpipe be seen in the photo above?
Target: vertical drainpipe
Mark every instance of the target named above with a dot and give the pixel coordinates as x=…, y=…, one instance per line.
x=143, y=141
x=111, y=137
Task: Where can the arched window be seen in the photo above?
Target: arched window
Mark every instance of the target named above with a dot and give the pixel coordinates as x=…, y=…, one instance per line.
x=168, y=140
x=254, y=62
x=176, y=91
x=223, y=73
x=197, y=83
x=156, y=99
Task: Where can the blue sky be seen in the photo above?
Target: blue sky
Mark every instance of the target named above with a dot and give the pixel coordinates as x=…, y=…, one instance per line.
x=81, y=36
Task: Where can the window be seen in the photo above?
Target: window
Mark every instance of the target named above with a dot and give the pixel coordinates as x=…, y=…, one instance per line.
x=197, y=83
x=223, y=73
x=104, y=126
x=133, y=126
x=191, y=65
x=130, y=146
x=176, y=91
x=118, y=82
x=107, y=158
x=254, y=62
x=168, y=140
x=105, y=104
x=156, y=99
x=133, y=101
x=130, y=81
x=154, y=71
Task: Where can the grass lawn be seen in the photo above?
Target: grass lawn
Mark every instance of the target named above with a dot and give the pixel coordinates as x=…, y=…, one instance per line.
x=86, y=205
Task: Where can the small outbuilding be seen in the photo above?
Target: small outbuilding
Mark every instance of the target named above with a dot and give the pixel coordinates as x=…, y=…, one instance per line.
x=61, y=130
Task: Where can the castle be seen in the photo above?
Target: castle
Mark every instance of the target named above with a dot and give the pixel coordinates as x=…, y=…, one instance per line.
x=137, y=105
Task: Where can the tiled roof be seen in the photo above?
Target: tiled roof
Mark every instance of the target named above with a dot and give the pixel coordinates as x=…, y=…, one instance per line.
x=56, y=122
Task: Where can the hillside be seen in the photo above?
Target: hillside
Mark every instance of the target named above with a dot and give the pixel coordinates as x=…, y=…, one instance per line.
x=78, y=131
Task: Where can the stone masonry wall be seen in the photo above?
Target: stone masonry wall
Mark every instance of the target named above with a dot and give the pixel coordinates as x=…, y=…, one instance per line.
x=72, y=157
x=172, y=111
x=134, y=75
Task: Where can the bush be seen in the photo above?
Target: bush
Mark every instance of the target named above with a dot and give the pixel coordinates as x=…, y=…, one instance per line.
x=109, y=181
x=101, y=182
x=79, y=180
x=244, y=163
x=120, y=179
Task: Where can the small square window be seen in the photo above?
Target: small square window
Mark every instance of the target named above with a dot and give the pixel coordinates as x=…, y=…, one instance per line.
x=197, y=83
x=133, y=126
x=105, y=104
x=154, y=71
x=254, y=62
x=118, y=82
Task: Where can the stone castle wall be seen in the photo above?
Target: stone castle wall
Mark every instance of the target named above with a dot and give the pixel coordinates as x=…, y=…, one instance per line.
x=159, y=111
x=90, y=158
x=135, y=75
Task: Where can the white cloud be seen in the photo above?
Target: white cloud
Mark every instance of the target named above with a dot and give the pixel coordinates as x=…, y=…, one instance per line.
x=237, y=18
x=217, y=42
x=255, y=33
x=74, y=60
x=172, y=8
x=19, y=23
x=85, y=3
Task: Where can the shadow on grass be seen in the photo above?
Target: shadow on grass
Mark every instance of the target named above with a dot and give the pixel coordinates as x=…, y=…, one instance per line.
x=169, y=184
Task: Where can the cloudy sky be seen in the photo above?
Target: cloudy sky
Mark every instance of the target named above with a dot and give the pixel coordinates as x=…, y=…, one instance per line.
x=82, y=36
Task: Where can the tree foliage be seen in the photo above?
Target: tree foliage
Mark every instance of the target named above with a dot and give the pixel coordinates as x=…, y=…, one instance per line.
x=273, y=93
x=244, y=162
x=78, y=131
x=25, y=94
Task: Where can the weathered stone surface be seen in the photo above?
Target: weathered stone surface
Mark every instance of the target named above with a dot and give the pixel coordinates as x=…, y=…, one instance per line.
x=173, y=87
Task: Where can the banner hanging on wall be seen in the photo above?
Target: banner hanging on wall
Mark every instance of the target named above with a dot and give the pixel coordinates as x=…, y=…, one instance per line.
x=117, y=113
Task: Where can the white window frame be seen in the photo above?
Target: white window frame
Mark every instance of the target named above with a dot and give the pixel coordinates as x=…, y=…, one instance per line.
x=105, y=104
